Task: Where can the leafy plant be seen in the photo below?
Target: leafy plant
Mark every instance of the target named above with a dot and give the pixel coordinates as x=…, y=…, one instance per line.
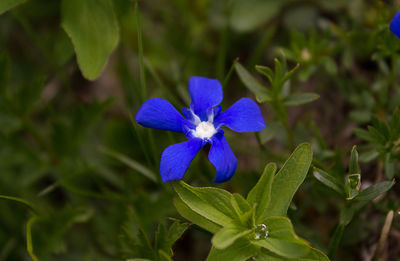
x=256, y=226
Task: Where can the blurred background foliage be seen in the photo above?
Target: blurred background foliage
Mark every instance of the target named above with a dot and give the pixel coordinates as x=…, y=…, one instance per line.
x=85, y=177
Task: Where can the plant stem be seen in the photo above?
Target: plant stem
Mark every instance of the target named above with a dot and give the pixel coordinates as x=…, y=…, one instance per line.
x=335, y=241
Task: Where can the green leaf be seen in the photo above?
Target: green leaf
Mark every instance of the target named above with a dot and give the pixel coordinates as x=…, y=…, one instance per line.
x=211, y=203
x=328, y=180
x=296, y=99
x=239, y=204
x=281, y=239
x=6, y=5
x=228, y=235
x=192, y=216
x=241, y=250
x=266, y=71
x=260, y=194
x=261, y=93
x=313, y=255
x=165, y=239
x=93, y=29
x=374, y=190
x=288, y=180
x=130, y=163
x=354, y=168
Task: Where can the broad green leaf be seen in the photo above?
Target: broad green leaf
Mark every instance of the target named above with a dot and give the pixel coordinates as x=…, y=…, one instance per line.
x=130, y=163
x=192, y=216
x=328, y=180
x=354, y=168
x=260, y=194
x=281, y=239
x=93, y=29
x=241, y=250
x=211, y=203
x=6, y=5
x=261, y=92
x=288, y=180
x=261, y=11
x=374, y=190
x=228, y=235
x=313, y=255
x=295, y=99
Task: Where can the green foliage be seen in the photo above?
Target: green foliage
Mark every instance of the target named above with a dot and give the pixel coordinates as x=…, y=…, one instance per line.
x=93, y=29
x=80, y=179
x=246, y=226
x=6, y=5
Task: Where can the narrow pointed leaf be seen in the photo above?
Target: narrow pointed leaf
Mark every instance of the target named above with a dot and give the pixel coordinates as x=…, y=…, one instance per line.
x=328, y=180
x=261, y=93
x=288, y=180
x=296, y=99
x=374, y=190
x=354, y=168
x=260, y=194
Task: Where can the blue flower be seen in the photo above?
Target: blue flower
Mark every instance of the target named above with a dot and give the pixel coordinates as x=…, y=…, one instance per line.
x=395, y=25
x=201, y=124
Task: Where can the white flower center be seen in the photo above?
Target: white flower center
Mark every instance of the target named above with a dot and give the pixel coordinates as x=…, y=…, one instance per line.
x=204, y=130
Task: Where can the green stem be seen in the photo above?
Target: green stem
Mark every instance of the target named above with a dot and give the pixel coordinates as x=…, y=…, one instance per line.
x=335, y=241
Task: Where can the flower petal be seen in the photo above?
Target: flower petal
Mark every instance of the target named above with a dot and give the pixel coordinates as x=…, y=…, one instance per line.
x=243, y=116
x=176, y=159
x=159, y=114
x=222, y=157
x=205, y=94
x=395, y=25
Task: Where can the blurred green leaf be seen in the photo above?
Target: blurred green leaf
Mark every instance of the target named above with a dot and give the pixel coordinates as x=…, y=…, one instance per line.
x=93, y=29
x=6, y=5
x=296, y=99
x=261, y=93
x=131, y=163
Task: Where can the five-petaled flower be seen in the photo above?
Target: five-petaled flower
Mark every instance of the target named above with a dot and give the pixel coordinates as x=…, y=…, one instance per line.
x=201, y=125
x=395, y=25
